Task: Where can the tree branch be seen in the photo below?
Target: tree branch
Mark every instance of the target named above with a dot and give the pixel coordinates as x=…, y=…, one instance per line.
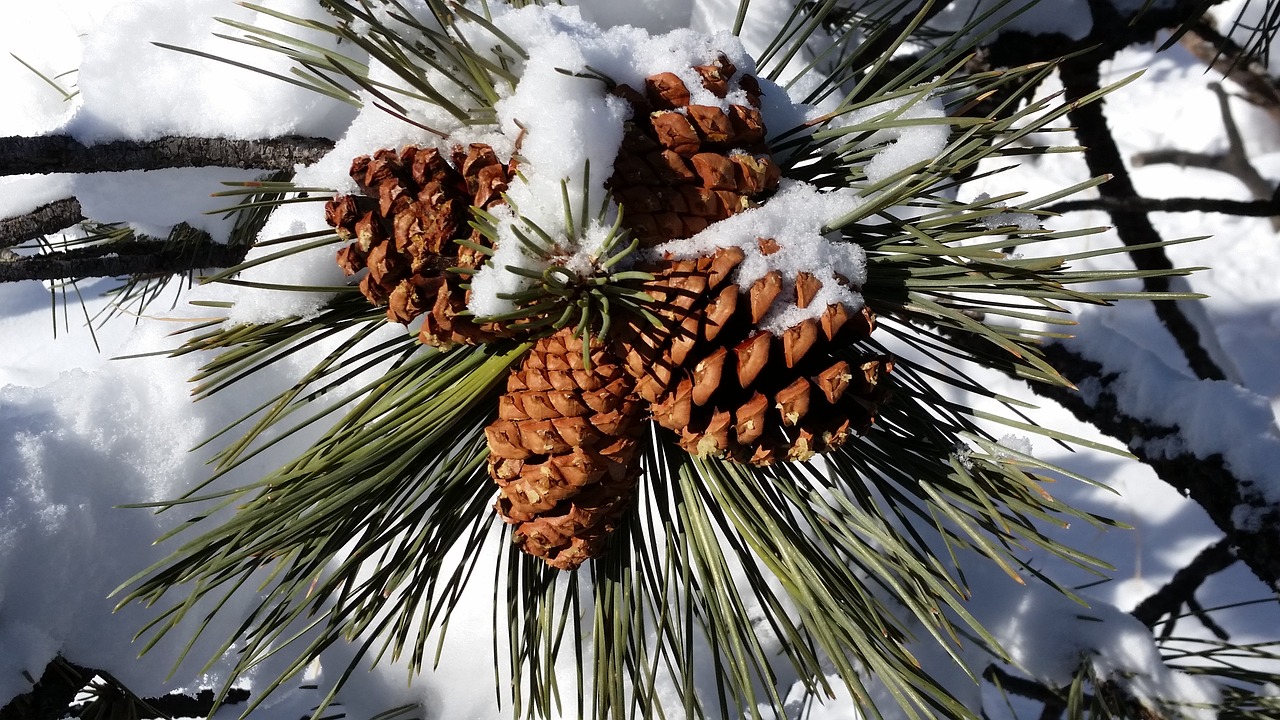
x=1080, y=77
x=144, y=256
x=63, y=154
x=1223, y=54
x=46, y=219
x=1234, y=162
x=1113, y=205
x=1181, y=588
x=1206, y=480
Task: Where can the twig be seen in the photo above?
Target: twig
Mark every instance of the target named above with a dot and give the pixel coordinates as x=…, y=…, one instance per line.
x=1209, y=623
x=1223, y=54
x=1023, y=687
x=1234, y=162
x=1182, y=587
x=46, y=219
x=1080, y=77
x=63, y=154
x=144, y=256
x=1251, y=208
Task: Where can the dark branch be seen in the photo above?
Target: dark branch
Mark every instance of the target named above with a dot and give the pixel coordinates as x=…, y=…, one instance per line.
x=1207, y=481
x=46, y=219
x=62, y=154
x=50, y=696
x=1080, y=78
x=1226, y=56
x=144, y=256
x=1252, y=208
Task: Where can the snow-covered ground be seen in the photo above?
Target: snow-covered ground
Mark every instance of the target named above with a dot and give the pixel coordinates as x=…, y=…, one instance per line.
x=81, y=433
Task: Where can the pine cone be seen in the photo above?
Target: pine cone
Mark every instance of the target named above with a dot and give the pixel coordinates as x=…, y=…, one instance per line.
x=727, y=387
x=414, y=207
x=564, y=450
x=683, y=166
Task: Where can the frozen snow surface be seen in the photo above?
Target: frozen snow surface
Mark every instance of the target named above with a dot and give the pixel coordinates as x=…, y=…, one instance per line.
x=80, y=434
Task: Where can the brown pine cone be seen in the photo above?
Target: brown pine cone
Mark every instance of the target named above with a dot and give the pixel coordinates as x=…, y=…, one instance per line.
x=683, y=166
x=404, y=228
x=727, y=387
x=564, y=450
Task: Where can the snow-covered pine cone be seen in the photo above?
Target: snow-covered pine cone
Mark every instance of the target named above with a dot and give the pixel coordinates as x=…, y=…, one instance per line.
x=564, y=450
x=683, y=166
x=403, y=228
x=727, y=387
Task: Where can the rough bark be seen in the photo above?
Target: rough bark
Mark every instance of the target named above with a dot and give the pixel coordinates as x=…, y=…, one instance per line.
x=44, y=220
x=63, y=154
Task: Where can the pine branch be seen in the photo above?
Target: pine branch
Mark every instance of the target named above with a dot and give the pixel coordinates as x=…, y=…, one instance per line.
x=1080, y=77
x=145, y=256
x=63, y=154
x=44, y=220
x=1207, y=481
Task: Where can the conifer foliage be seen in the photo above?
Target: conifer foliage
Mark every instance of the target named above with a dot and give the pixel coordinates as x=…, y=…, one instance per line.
x=706, y=380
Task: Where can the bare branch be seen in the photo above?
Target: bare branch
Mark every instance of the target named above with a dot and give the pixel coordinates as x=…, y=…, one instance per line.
x=1251, y=208
x=1080, y=78
x=144, y=256
x=1223, y=54
x=63, y=154
x=1206, y=480
x=1181, y=589
x=46, y=219
x=1234, y=162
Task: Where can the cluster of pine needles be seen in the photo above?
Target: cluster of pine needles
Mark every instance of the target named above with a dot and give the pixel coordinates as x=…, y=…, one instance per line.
x=724, y=575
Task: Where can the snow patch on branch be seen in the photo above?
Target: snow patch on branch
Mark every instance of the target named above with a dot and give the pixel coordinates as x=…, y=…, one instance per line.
x=1213, y=417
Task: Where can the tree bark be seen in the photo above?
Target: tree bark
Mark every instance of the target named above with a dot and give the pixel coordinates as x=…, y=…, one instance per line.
x=44, y=220
x=63, y=154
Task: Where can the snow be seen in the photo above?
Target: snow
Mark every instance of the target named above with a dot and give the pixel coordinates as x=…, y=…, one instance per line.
x=905, y=146
x=131, y=197
x=1241, y=426
x=795, y=219
x=132, y=88
x=80, y=435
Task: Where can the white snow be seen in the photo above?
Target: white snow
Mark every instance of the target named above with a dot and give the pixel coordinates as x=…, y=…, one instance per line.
x=905, y=146
x=132, y=197
x=796, y=219
x=132, y=88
